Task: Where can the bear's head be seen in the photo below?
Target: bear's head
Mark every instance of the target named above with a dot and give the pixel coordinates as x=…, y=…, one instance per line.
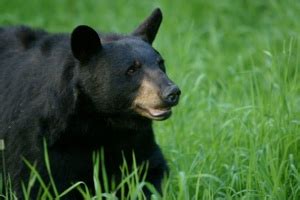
x=125, y=74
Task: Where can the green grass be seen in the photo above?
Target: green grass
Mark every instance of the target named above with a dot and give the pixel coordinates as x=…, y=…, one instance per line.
x=236, y=131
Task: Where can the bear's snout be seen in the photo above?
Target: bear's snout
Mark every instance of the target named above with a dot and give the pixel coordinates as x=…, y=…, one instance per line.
x=156, y=97
x=171, y=95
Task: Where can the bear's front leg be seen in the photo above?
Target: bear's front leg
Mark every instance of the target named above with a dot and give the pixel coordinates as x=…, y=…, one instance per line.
x=157, y=170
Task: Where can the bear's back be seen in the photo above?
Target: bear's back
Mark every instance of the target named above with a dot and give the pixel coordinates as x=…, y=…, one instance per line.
x=18, y=38
x=31, y=65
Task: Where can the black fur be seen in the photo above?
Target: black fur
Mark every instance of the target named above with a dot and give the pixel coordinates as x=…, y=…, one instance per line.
x=73, y=91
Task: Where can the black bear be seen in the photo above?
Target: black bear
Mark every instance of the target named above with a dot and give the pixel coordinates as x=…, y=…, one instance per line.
x=82, y=92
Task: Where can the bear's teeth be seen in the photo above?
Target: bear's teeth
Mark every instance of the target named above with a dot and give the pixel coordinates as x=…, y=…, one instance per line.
x=158, y=112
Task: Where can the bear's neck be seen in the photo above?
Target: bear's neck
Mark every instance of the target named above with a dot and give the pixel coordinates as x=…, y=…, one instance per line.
x=120, y=121
x=93, y=130
x=86, y=111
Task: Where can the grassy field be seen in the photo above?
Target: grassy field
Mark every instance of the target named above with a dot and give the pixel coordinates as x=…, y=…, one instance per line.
x=236, y=131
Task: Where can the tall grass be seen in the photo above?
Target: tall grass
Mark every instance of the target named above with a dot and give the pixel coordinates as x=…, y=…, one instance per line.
x=131, y=187
x=235, y=133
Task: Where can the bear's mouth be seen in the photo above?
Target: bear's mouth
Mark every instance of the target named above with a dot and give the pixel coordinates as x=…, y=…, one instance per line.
x=155, y=113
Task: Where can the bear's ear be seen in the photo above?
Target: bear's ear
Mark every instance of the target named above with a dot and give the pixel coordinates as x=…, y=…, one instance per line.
x=148, y=29
x=85, y=42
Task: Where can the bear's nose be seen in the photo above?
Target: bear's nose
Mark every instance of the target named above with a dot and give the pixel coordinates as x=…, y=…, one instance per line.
x=171, y=95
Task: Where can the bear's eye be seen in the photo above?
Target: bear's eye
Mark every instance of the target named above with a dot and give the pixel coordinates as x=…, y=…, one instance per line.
x=133, y=68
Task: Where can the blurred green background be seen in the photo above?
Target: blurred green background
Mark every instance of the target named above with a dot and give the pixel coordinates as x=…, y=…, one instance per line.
x=235, y=134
